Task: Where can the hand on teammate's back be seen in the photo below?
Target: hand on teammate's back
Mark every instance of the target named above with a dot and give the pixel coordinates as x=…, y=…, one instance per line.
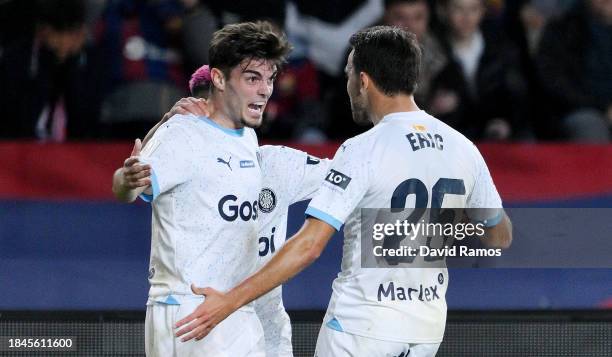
x=133, y=177
x=207, y=315
x=135, y=174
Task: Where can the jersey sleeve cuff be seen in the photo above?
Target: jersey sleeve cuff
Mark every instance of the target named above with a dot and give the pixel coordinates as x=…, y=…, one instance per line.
x=313, y=212
x=154, y=187
x=491, y=222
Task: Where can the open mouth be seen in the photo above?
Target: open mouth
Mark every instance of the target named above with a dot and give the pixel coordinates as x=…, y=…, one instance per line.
x=256, y=108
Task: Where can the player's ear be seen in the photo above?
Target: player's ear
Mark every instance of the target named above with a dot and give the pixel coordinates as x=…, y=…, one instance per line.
x=364, y=81
x=218, y=78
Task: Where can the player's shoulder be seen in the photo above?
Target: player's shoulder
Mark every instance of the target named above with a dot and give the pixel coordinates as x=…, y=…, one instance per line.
x=178, y=127
x=361, y=143
x=277, y=158
x=180, y=123
x=183, y=120
x=271, y=151
x=459, y=142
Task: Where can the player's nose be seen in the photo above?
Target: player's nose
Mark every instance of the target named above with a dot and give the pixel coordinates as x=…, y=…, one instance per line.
x=265, y=89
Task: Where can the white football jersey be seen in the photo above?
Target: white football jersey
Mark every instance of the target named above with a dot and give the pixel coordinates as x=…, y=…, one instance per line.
x=407, y=157
x=206, y=181
x=289, y=176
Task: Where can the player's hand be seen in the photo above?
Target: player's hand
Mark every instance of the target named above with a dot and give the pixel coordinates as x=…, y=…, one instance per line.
x=189, y=105
x=215, y=308
x=134, y=174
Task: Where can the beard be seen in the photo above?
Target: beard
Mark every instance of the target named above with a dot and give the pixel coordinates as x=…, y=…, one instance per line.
x=360, y=114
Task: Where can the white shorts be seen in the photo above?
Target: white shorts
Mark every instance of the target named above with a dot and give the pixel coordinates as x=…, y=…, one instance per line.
x=238, y=335
x=333, y=343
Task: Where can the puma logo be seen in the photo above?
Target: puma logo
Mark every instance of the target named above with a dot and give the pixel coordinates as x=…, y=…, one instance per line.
x=220, y=160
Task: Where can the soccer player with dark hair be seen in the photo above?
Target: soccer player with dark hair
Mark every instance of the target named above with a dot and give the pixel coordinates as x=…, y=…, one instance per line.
x=408, y=158
x=203, y=178
x=288, y=176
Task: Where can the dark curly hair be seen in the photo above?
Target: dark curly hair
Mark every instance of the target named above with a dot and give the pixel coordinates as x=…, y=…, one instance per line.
x=235, y=43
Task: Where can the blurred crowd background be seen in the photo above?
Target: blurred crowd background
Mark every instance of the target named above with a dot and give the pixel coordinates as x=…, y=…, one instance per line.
x=495, y=70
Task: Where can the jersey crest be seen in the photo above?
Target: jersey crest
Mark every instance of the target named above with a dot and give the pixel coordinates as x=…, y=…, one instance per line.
x=267, y=200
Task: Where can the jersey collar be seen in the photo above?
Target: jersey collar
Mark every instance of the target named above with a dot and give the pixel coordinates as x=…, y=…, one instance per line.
x=403, y=115
x=232, y=132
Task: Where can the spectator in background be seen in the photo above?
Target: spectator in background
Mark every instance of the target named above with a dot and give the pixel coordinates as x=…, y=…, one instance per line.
x=524, y=22
x=575, y=66
x=198, y=25
x=294, y=110
x=144, y=63
x=481, y=91
x=16, y=21
x=414, y=15
x=47, y=80
x=229, y=12
x=322, y=31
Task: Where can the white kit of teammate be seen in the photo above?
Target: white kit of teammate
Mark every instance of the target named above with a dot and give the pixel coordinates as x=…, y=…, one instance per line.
x=409, y=159
x=205, y=182
x=406, y=158
x=289, y=176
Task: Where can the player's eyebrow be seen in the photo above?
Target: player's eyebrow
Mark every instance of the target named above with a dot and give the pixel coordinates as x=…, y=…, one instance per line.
x=258, y=74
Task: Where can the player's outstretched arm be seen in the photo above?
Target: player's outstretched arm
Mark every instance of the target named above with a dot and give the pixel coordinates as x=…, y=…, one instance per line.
x=133, y=178
x=299, y=252
x=184, y=106
x=500, y=235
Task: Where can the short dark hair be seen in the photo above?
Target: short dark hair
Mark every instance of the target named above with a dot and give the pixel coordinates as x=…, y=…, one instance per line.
x=390, y=55
x=235, y=43
x=61, y=15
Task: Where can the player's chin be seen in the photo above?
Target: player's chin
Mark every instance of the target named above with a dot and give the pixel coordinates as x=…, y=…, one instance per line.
x=252, y=122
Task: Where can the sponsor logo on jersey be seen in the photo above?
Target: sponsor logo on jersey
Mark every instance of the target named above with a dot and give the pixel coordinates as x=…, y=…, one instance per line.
x=267, y=244
x=419, y=127
x=244, y=164
x=220, y=160
x=312, y=161
x=441, y=278
x=151, y=273
x=338, y=179
x=230, y=209
x=391, y=292
x=267, y=200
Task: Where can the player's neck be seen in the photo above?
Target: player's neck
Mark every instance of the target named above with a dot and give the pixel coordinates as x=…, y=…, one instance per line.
x=219, y=114
x=383, y=105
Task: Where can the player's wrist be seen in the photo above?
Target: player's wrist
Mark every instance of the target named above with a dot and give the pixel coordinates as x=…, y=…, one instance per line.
x=236, y=299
